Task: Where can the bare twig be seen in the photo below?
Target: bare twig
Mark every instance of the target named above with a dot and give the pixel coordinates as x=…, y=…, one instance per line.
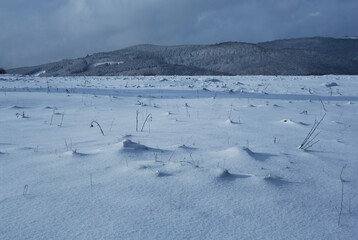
x=63, y=115
x=48, y=87
x=91, y=179
x=324, y=108
x=110, y=129
x=342, y=192
x=98, y=126
x=53, y=113
x=149, y=116
x=68, y=146
x=26, y=188
x=171, y=155
x=230, y=112
x=187, y=110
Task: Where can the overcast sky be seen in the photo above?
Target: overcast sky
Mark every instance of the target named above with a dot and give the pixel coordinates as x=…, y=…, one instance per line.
x=41, y=31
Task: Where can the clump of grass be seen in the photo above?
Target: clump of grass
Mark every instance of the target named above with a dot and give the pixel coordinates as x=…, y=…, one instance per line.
x=22, y=115
x=308, y=142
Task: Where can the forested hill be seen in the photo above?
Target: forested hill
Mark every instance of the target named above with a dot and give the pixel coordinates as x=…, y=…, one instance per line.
x=304, y=56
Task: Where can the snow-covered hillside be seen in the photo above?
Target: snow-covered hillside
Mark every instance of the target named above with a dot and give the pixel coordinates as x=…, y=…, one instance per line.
x=304, y=56
x=179, y=158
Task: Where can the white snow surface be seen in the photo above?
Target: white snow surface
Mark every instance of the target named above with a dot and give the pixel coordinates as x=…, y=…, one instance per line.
x=39, y=73
x=104, y=63
x=208, y=157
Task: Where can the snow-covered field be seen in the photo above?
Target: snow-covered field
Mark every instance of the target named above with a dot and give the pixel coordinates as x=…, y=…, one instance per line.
x=211, y=158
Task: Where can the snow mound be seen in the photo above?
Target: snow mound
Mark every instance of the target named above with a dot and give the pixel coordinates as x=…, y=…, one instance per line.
x=332, y=84
x=185, y=147
x=129, y=145
x=160, y=174
x=248, y=151
x=125, y=137
x=39, y=73
x=48, y=107
x=213, y=80
x=17, y=107
x=290, y=122
x=224, y=174
x=287, y=121
x=75, y=153
x=231, y=122
x=245, y=152
x=275, y=180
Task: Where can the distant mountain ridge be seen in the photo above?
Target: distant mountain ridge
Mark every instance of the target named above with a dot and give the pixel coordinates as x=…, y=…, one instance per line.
x=302, y=56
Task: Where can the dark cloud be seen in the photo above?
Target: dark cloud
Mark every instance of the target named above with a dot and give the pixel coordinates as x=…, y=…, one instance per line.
x=34, y=32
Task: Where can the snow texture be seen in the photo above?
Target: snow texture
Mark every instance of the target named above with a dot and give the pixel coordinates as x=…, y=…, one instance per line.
x=220, y=163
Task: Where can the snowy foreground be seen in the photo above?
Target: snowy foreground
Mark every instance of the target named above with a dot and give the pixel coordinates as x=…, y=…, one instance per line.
x=217, y=158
